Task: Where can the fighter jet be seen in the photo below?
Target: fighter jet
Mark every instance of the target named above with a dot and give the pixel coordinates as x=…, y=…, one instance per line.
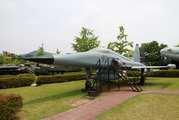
x=90, y=58
x=172, y=53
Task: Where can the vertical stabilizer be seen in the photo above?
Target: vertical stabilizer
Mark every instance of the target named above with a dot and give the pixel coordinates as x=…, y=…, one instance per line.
x=136, y=56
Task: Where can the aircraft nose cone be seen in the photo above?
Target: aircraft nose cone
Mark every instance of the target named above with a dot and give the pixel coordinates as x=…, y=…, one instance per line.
x=163, y=51
x=41, y=59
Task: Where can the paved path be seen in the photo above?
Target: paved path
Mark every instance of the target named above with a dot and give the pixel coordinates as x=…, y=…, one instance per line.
x=96, y=107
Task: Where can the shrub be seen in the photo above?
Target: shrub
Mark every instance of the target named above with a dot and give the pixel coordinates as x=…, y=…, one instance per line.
x=74, y=76
x=165, y=73
x=10, y=81
x=160, y=73
x=50, y=79
x=9, y=105
x=46, y=79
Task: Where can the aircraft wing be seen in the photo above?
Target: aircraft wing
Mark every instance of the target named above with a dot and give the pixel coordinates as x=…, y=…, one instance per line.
x=172, y=66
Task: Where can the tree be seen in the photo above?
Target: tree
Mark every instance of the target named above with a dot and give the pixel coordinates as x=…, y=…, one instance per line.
x=177, y=46
x=58, y=52
x=1, y=60
x=40, y=52
x=153, y=57
x=8, y=61
x=129, y=53
x=152, y=52
x=119, y=47
x=21, y=60
x=87, y=41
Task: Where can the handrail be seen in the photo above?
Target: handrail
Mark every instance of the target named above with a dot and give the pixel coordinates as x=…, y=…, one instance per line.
x=126, y=68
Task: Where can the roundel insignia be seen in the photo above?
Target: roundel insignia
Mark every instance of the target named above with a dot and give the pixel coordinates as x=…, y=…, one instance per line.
x=123, y=62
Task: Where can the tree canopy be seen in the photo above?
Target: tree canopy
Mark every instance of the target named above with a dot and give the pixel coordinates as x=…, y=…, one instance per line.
x=40, y=52
x=58, y=52
x=8, y=61
x=152, y=52
x=86, y=41
x=120, y=46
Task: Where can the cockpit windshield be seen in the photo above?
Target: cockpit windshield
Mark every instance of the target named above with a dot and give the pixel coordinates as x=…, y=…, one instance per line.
x=169, y=49
x=102, y=50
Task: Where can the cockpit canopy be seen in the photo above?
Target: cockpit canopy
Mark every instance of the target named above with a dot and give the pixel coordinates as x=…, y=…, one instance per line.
x=169, y=49
x=108, y=51
x=102, y=50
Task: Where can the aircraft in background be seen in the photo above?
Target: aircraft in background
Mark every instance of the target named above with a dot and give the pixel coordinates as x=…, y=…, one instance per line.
x=90, y=58
x=173, y=54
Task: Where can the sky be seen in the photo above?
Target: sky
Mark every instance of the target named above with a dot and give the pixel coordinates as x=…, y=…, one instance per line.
x=26, y=24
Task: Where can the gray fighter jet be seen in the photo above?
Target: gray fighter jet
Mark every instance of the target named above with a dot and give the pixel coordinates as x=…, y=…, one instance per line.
x=90, y=58
x=172, y=53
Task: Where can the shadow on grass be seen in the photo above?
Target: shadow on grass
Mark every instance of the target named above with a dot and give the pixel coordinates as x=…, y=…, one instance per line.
x=16, y=118
x=163, y=85
x=55, y=97
x=166, y=85
x=68, y=94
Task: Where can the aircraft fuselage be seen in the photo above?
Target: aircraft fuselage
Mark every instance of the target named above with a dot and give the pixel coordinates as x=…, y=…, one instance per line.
x=172, y=53
x=89, y=60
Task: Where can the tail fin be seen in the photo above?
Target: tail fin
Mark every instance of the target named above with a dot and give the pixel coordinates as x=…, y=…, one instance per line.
x=136, y=56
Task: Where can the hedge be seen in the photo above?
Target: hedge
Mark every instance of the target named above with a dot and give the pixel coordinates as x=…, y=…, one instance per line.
x=165, y=73
x=10, y=81
x=46, y=79
x=160, y=73
x=9, y=106
x=20, y=75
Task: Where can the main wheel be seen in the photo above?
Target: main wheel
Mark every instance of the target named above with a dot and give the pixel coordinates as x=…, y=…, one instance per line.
x=14, y=73
x=50, y=73
x=6, y=73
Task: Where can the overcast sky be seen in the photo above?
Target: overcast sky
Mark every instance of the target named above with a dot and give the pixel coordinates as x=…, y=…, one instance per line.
x=24, y=24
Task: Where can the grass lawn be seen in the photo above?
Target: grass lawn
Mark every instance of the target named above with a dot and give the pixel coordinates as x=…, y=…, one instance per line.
x=162, y=83
x=150, y=106
x=50, y=99
x=47, y=100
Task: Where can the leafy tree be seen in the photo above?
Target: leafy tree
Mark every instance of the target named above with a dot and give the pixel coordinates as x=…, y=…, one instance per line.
x=153, y=57
x=177, y=46
x=21, y=60
x=58, y=52
x=41, y=52
x=119, y=47
x=8, y=61
x=86, y=42
x=152, y=52
x=1, y=60
x=129, y=53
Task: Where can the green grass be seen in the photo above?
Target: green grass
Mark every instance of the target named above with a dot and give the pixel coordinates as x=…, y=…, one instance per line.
x=150, y=106
x=47, y=100
x=162, y=83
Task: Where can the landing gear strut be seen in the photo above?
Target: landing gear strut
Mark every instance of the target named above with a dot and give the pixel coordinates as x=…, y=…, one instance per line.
x=142, y=80
x=88, y=83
